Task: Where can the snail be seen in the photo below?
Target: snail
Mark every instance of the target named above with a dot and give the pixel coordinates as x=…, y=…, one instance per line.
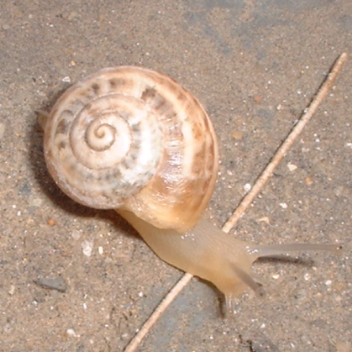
x=133, y=140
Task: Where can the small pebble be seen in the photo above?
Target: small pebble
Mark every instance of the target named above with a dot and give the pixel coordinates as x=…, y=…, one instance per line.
x=12, y=290
x=56, y=283
x=291, y=167
x=51, y=222
x=100, y=250
x=308, y=180
x=237, y=135
x=66, y=79
x=307, y=276
x=247, y=187
x=257, y=98
x=87, y=247
x=283, y=205
x=71, y=333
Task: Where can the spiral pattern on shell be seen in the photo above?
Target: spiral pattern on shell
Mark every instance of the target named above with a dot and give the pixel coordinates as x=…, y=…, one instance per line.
x=132, y=138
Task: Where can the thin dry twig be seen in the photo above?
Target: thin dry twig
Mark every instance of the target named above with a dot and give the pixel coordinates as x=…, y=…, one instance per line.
x=247, y=200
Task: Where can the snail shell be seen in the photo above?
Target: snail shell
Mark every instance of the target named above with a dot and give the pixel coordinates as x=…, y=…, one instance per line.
x=132, y=138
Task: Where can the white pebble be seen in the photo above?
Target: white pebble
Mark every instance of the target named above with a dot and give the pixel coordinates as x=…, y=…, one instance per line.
x=12, y=290
x=247, y=187
x=307, y=276
x=328, y=282
x=283, y=205
x=87, y=248
x=275, y=276
x=66, y=79
x=71, y=333
x=291, y=167
x=100, y=250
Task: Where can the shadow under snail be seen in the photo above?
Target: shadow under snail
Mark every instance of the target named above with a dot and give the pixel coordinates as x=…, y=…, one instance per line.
x=134, y=140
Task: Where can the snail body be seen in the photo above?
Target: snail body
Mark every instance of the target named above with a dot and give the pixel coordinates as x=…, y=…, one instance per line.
x=133, y=140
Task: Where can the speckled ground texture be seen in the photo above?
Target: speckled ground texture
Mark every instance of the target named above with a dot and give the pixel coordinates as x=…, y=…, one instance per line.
x=73, y=278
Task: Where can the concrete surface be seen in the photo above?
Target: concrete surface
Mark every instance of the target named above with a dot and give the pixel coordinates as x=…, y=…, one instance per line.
x=77, y=279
